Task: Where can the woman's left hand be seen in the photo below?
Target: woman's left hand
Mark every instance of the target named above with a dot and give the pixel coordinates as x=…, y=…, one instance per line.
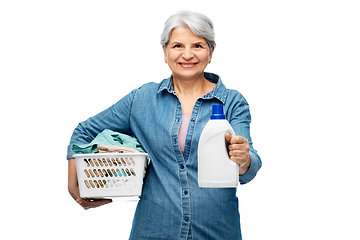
x=239, y=152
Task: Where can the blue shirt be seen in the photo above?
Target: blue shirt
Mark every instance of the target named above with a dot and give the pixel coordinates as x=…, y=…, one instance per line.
x=172, y=205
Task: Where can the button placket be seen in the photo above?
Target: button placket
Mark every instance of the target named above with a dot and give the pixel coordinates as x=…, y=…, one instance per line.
x=183, y=178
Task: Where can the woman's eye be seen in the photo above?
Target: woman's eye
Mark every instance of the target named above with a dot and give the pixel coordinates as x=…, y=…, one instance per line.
x=198, y=46
x=177, y=46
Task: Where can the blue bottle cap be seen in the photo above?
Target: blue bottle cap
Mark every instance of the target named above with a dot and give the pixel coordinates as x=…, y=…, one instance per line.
x=217, y=112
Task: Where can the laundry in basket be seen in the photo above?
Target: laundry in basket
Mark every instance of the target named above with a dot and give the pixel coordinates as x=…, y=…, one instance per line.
x=110, y=175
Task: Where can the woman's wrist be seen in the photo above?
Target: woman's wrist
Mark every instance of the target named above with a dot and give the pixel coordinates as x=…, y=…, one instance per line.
x=245, y=167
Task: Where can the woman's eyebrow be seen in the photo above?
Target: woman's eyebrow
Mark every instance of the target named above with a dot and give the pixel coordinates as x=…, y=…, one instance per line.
x=176, y=42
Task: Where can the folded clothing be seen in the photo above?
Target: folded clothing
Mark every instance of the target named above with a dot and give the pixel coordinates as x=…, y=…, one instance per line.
x=115, y=149
x=105, y=140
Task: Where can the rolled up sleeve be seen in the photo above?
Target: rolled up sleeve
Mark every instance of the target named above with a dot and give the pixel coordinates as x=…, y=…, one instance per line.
x=115, y=118
x=240, y=118
x=255, y=165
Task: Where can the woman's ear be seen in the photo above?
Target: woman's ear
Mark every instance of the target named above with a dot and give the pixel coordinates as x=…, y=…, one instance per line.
x=165, y=53
x=211, y=53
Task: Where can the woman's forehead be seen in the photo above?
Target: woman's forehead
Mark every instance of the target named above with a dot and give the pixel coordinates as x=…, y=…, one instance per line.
x=184, y=34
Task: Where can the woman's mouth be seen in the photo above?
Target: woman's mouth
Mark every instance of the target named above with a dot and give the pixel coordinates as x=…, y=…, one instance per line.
x=187, y=65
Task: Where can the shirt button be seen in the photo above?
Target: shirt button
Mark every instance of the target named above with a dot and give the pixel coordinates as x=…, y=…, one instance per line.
x=186, y=192
x=182, y=166
x=187, y=219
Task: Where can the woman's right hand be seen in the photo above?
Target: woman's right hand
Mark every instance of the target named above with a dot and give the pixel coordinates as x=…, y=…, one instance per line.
x=73, y=187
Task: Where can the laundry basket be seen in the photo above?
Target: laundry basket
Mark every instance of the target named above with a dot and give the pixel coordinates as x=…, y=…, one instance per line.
x=110, y=175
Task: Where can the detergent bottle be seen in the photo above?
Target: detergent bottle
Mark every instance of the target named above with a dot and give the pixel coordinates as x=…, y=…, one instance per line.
x=215, y=169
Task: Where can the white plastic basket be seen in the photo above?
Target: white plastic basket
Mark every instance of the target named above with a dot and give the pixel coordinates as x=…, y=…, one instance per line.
x=110, y=175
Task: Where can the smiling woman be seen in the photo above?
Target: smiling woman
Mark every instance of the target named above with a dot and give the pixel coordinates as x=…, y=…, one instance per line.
x=188, y=42
x=167, y=118
x=187, y=56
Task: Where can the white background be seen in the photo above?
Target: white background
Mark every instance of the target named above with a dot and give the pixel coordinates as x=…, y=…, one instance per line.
x=296, y=62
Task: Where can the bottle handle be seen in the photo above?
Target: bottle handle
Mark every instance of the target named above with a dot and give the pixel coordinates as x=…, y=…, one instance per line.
x=232, y=133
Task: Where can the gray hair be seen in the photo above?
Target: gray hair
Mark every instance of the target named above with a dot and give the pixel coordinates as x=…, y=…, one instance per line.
x=197, y=22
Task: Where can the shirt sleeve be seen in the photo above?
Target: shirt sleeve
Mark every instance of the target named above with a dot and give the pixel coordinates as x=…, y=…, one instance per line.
x=115, y=118
x=240, y=119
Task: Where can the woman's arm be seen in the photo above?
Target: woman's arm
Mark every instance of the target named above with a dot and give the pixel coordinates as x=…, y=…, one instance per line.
x=241, y=147
x=115, y=118
x=73, y=187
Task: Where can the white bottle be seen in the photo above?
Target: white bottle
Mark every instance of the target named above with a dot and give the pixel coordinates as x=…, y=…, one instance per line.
x=215, y=169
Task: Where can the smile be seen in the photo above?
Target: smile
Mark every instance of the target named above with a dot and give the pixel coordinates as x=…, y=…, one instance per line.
x=187, y=65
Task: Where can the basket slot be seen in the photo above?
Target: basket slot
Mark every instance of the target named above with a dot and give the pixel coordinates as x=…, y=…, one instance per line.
x=104, y=162
x=105, y=184
x=114, y=162
x=100, y=173
x=86, y=162
x=105, y=173
x=109, y=162
x=101, y=184
x=123, y=161
x=96, y=184
x=109, y=183
x=100, y=162
x=91, y=162
x=87, y=173
x=96, y=162
x=115, y=184
x=118, y=162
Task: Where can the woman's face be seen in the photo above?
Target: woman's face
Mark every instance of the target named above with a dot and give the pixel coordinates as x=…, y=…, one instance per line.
x=187, y=54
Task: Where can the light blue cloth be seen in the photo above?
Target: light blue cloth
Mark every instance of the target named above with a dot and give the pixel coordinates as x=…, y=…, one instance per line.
x=108, y=137
x=172, y=204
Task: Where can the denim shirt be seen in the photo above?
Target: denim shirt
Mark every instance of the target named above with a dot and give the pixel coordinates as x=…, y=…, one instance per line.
x=172, y=205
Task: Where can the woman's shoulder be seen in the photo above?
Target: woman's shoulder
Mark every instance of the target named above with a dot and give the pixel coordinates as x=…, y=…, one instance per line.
x=235, y=96
x=148, y=86
x=154, y=85
x=149, y=90
x=231, y=94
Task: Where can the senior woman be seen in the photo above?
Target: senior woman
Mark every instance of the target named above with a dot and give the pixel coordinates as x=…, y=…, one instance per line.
x=167, y=118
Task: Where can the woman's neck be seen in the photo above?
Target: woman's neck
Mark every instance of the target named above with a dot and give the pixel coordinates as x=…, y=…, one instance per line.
x=189, y=91
x=191, y=87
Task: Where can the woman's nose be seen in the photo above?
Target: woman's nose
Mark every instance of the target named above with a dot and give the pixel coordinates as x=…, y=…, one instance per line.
x=188, y=54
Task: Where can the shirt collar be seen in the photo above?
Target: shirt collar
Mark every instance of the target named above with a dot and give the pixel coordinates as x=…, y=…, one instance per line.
x=219, y=91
